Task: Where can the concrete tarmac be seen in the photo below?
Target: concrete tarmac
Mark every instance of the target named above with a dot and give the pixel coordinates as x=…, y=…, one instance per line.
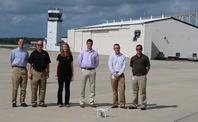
x=172, y=95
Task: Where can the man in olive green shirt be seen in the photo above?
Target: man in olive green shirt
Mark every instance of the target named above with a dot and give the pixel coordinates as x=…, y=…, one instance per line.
x=140, y=67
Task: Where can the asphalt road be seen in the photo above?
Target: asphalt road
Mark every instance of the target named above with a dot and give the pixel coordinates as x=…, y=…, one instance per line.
x=171, y=91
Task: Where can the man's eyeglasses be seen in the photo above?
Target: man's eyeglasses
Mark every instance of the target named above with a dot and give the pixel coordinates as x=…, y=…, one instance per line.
x=116, y=48
x=90, y=43
x=39, y=45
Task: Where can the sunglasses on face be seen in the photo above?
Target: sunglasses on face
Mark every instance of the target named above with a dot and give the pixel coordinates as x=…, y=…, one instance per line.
x=138, y=49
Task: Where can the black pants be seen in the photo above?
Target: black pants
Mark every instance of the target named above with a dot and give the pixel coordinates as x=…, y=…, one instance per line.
x=61, y=83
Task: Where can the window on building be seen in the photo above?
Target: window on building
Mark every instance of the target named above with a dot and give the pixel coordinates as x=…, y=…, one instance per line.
x=178, y=54
x=167, y=41
x=194, y=55
x=56, y=15
x=137, y=34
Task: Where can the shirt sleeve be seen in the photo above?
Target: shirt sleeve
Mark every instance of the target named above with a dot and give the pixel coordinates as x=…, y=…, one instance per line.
x=97, y=59
x=11, y=57
x=80, y=57
x=123, y=65
x=31, y=58
x=131, y=62
x=27, y=56
x=148, y=62
x=58, y=57
x=72, y=58
x=48, y=58
x=110, y=64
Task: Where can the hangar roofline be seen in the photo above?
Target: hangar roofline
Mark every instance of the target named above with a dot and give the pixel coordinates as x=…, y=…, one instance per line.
x=134, y=22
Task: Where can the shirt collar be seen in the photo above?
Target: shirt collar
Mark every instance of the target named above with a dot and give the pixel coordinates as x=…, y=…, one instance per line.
x=118, y=54
x=89, y=50
x=38, y=51
x=138, y=56
x=20, y=48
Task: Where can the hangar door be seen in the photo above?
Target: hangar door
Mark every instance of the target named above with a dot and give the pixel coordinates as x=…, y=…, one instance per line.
x=100, y=39
x=86, y=35
x=78, y=41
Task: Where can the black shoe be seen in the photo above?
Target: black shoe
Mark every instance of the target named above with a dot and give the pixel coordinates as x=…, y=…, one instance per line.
x=114, y=106
x=60, y=105
x=42, y=105
x=34, y=105
x=123, y=107
x=14, y=105
x=24, y=105
x=143, y=108
x=92, y=104
x=82, y=105
x=67, y=105
x=132, y=107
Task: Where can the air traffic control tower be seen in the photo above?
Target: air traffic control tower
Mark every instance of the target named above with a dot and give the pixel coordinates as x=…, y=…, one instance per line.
x=54, y=28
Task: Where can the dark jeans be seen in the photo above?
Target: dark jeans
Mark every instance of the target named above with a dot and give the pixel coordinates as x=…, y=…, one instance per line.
x=61, y=84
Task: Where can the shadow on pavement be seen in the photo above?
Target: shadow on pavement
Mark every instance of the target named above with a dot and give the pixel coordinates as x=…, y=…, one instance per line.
x=155, y=106
x=55, y=104
x=77, y=104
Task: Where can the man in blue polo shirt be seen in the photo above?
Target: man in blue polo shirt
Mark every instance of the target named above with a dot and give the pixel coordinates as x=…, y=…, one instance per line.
x=18, y=60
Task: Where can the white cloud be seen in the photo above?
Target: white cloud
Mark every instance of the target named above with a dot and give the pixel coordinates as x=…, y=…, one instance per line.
x=17, y=19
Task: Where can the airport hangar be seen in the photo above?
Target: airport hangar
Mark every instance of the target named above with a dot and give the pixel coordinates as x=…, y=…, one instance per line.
x=165, y=35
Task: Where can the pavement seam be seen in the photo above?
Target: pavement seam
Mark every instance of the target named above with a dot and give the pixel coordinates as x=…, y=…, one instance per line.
x=187, y=116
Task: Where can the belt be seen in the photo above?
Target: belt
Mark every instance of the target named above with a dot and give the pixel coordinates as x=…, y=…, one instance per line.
x=19, y=67
x=39, y=70
x=88, y=68
x=139, y=74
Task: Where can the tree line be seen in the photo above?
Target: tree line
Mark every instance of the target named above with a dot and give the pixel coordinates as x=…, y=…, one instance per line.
x=13, y=41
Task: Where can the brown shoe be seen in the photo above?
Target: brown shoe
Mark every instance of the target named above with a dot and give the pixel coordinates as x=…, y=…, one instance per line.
x=114, y=106
x=122, y=106
x=92, y=104
x=42, y=105
x=24, y=105
x=143, y=107
x=82, y=105
x=14, y=105
x=34, y=105
x=132, y=106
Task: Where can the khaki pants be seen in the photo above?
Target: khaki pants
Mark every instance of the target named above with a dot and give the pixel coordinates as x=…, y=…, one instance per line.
x=118, y=87
x=38, y=82
x=19, y=77
x=91, y=76
x=139, y=87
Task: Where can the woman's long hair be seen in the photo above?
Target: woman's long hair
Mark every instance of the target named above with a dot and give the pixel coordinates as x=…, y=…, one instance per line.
x=63, y=53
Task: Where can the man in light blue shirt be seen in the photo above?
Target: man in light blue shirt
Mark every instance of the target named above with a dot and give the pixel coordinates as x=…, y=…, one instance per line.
x=116, y=64
x=18, y=60
x=88, y=61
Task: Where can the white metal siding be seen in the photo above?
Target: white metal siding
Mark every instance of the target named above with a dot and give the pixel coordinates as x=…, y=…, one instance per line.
x=71, y=39
x=78, y=41
x=105, y=38
x=171, y=36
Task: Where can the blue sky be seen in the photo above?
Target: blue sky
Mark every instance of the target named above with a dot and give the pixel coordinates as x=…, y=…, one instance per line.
x=28, y=18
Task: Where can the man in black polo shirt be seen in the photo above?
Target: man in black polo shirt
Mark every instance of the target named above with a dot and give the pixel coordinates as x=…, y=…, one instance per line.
x=38, y=72
x=140, y=67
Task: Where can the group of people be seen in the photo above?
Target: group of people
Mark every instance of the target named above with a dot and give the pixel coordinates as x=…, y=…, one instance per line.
x=36, y=67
